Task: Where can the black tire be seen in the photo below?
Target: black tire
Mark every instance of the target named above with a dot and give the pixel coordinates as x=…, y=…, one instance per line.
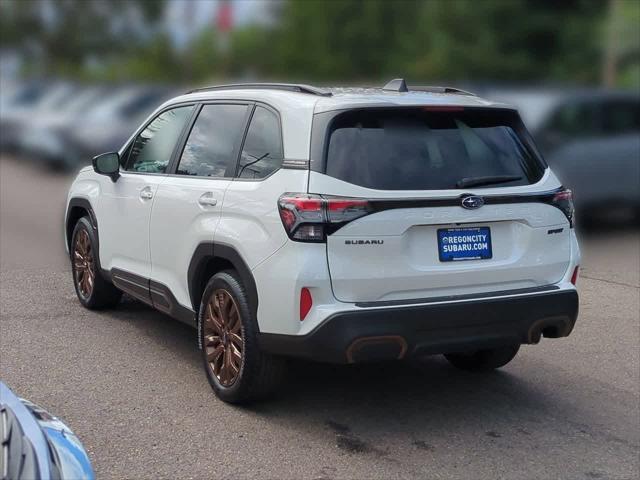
x=258, y=374
x=102, y=294
x=483, y=360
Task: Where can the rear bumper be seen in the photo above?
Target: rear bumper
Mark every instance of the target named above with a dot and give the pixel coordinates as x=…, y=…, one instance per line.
x=432, y=328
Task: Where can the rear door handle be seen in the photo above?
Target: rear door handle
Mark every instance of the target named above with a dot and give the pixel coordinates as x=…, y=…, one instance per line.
x=207, y=199
x=146, y=193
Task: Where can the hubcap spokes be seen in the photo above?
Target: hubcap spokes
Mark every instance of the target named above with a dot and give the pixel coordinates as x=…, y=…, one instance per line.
x=83, y=263
x=223, y=341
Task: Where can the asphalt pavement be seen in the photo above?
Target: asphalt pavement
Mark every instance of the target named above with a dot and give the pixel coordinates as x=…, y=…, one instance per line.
x=130, y=382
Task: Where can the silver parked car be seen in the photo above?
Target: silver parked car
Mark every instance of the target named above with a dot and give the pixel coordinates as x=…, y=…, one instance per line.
x=591, y=138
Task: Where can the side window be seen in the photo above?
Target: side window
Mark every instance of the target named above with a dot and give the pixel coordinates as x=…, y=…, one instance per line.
x=151, y=150
x=262, y=152
x=620, y=116
x=576, y=120
x=213, y=143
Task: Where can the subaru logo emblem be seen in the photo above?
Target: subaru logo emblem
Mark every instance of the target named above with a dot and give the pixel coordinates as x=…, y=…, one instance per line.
x=471, y=202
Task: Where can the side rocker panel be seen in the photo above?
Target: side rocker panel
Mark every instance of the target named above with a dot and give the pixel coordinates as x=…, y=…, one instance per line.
x=152, y=293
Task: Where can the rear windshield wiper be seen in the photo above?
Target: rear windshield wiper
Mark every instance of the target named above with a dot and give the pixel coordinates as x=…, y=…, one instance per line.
x=477, y=181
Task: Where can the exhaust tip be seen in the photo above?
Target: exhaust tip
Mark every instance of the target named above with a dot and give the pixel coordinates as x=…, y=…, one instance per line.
x=372, y=349
x=549, y=328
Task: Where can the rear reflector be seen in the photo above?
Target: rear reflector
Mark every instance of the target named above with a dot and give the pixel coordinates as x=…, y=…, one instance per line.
x=306, y=302
x=574, y=277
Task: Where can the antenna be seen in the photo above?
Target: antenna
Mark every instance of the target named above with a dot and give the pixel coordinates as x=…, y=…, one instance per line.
x=396, y=85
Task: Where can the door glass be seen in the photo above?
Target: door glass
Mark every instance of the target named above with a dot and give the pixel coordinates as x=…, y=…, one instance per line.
x=152, y=149
x=262, y=152
x=212, y=147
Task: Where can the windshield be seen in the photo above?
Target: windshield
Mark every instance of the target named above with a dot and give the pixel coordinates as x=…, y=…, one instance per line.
x=430, y=149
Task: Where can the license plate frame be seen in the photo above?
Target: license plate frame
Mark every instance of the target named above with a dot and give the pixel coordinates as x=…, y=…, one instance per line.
x=464, y=243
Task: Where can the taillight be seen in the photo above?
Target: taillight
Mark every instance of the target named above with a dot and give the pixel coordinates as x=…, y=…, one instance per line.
x=564, y=201
x=310, y=218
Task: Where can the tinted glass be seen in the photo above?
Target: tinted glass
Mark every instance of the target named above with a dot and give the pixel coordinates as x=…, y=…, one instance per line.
x=213, y=143
x=576, y=119
x=621, y=116
x=414, y=149
x=151, y=151
x=262, y=152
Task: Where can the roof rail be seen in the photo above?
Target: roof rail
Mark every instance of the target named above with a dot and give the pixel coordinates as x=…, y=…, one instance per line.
x=291, y=87
x=399, y=85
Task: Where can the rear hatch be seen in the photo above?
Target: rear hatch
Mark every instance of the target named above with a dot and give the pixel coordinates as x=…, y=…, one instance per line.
x=458, y=203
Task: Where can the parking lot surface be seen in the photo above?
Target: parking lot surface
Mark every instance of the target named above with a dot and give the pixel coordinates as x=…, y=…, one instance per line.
x=130, y=382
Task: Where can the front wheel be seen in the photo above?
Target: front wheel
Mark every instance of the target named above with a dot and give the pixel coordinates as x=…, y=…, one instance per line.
x=236, y=368
x=483, y=360
x=93, y=291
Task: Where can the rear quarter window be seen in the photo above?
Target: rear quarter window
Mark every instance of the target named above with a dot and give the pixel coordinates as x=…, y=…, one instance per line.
x=424, y=149
x=262, y=153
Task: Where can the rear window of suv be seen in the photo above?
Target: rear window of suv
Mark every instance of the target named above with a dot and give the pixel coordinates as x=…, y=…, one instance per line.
x=430, y=148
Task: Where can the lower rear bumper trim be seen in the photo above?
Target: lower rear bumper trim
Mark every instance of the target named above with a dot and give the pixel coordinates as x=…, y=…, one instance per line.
x=358, y=335
x=457, y=298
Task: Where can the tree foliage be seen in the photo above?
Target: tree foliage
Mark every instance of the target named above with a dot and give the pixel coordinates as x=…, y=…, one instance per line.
x=66, y=35
x=367, y=41
x=519, y=40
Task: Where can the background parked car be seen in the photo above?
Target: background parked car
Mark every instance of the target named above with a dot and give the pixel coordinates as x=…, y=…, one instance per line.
x=46, y=136
x=62, y=125
x=37, y=445
x=15, y=101
x=591, y=138
x=108, y=125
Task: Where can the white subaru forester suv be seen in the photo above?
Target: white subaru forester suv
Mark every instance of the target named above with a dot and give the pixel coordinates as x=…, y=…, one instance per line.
x=339, y=225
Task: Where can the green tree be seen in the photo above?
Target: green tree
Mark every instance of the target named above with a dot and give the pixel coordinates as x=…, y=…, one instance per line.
x=62, y=35
x=342, y=39
x=622, y=36
x=507, y=40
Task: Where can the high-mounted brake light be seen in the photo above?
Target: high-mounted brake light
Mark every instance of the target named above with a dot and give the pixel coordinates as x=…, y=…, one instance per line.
x=564, y=201
x=443, y=108
x=310, y=218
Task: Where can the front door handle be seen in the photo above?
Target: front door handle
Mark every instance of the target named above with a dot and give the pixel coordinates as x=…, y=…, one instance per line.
x=207, y=199
x=146, y=193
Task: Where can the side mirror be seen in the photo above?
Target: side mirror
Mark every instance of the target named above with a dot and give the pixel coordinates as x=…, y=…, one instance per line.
x=107, y=164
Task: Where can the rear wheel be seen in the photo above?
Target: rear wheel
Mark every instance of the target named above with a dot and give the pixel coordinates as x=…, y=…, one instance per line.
x=483, y=360
x=236, y=368
x=93, y=291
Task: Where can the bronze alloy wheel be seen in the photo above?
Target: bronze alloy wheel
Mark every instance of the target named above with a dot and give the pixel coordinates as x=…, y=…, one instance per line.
x=223, y=337
x=83, y=264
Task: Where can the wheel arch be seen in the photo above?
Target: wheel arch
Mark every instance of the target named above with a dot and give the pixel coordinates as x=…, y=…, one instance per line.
x=210, y=258
x=78, y=207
